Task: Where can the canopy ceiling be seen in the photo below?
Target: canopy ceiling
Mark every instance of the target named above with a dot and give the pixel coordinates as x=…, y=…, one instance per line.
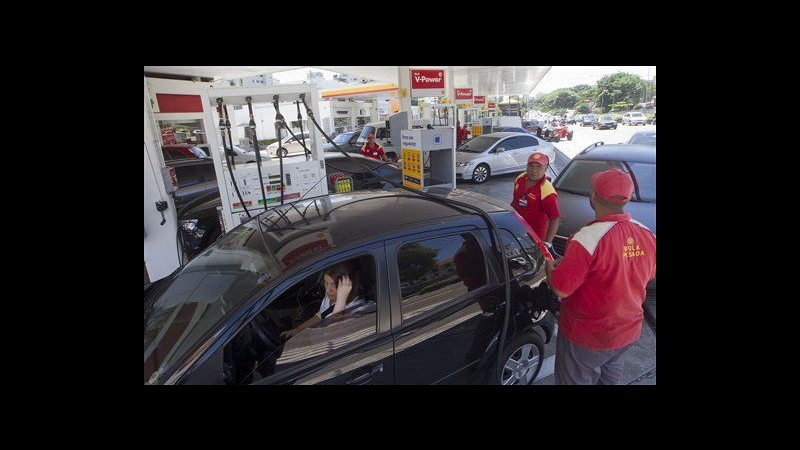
x=485, y=80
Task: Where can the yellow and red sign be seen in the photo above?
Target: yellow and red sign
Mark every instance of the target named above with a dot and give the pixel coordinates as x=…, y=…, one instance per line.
x=427, y=83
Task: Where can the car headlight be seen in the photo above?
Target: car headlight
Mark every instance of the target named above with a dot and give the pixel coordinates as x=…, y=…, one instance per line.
x=190, y=227
x=463, y=164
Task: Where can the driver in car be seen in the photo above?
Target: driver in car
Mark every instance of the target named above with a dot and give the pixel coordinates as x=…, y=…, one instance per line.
x=339, y=295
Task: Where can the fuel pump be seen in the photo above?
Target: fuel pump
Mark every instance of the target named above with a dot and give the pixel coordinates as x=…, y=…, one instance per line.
x=254, y=187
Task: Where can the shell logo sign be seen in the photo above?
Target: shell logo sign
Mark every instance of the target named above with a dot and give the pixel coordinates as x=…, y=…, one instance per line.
x=427, y=83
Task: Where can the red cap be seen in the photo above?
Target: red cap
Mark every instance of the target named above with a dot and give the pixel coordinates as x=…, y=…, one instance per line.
x=371, y=135
x=613, y=185
x=539, y=158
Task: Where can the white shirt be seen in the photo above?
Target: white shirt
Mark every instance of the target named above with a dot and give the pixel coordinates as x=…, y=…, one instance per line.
x=326, y=303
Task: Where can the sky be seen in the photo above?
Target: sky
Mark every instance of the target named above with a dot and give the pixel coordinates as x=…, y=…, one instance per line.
x=568, y=76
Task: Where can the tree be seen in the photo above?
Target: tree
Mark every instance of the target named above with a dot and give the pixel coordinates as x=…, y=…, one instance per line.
x=564, y=98
x=622, y=87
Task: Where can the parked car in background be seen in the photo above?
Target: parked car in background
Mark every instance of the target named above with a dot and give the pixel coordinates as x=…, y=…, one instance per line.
x=643, y=138
x=573, y=188
x=346, y=140
x=588, y=120
x=605, y=123
x=433, y=306
x=497, y=153
x=634, y=118
x=291, y=144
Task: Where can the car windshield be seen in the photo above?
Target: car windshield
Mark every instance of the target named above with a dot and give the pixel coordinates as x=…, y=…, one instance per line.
x=575, y=178
x=342, y=138
x=636, y=115
x=179, y=315
x=606, y=119
x=478, y=145
x=362, y=138
x=643, y=139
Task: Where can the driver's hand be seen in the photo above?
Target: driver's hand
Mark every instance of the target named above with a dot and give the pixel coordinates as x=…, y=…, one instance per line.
x=345, y=286
x=288, y=334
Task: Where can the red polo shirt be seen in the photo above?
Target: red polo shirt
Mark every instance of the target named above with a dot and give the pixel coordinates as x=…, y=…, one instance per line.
x=604, y=274
x=373, y=151
x=537, y=204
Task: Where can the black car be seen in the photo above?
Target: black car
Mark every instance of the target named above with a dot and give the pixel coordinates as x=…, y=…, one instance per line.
x=588, y=120
x=346, y=140
x=605, y=123
x=197, y=203
x=430, y=274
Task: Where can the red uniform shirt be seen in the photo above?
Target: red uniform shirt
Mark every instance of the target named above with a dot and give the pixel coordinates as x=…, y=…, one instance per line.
x=604, y=274
x=537, y=204
x=373, y=151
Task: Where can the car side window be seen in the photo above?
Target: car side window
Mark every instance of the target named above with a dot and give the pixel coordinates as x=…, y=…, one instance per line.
x=434, y=271
x=527, y=141
x=508, y=144
x=259, y=350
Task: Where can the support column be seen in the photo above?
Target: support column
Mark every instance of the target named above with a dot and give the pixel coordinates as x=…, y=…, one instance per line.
x=404, y=92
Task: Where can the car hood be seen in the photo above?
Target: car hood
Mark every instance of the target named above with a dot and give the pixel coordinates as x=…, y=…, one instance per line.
x=467, y=156
x=576, y=213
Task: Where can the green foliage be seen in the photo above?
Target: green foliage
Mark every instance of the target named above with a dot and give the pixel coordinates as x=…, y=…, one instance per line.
x=618, y=91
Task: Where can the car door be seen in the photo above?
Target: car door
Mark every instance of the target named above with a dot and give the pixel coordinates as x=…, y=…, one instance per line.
x=525, y=146
x=444, y=306
x=503, y=162
x=342, y=349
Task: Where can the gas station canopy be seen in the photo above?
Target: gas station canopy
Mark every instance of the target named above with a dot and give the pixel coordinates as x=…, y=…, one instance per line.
x=486, y=80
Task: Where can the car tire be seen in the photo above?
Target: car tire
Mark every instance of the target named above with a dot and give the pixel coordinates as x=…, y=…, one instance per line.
x=481, y=173
x=522, y=359
x=569, y=136
x=282, y=151
x=557, y=138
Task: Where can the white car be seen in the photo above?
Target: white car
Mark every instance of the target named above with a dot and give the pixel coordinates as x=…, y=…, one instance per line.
x=291, y=145
x=497, y=153
x=634, y=118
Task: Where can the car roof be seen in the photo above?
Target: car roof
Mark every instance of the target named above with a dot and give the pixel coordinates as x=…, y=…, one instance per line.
x=503, y=134
x=342, y=215
x=620, y=152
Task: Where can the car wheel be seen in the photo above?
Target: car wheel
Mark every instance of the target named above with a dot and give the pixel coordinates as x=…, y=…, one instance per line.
x=557, y=138
x=569, y=136
x=481, y=173
x=283, y=152
x=522, y=359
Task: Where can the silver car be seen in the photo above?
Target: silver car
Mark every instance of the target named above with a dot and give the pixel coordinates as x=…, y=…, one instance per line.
x=498, y=153
x=291, y=145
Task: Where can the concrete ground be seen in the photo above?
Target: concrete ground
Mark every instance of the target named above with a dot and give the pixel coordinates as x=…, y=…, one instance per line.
x=640, y=360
